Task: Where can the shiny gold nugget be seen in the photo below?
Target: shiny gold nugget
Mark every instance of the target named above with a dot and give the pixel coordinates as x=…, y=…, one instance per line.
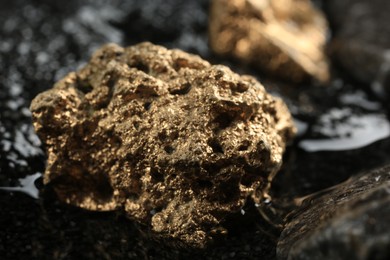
x=163, y=135
x=283, y=37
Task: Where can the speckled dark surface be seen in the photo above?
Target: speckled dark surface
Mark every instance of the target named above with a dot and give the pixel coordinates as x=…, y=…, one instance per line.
x=42, y=40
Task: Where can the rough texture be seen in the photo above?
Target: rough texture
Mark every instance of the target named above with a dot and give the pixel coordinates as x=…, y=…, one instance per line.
x=285, y=37
x=351, y=222
x=174, y=141
x=361, y=41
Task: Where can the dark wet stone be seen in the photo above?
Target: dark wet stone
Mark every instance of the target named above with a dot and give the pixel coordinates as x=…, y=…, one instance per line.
x=350, y=222
x=337, y=126
x=361, y=38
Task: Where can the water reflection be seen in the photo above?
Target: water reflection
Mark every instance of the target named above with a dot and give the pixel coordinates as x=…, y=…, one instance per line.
x=27, y=185
x=360, y=99
x=343, y=130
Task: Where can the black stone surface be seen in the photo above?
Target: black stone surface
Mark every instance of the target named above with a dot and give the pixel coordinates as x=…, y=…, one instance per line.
x=350, y=222
x=361, y=43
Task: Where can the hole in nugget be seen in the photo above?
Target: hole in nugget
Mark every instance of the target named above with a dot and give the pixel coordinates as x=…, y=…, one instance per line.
x=224, y=120
x=184, y=89
x=204, y=184
x=156, y=175
x=141, y=66
x=216, y=146
x=169, y=149
x=147, y=105
x=244, y=146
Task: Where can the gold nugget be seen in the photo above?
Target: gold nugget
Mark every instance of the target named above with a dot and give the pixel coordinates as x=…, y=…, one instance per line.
x=282, y=37
x=173, y=141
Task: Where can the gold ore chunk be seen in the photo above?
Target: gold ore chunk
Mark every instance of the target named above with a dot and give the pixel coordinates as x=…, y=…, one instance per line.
x=173, y=141
x=283, y=37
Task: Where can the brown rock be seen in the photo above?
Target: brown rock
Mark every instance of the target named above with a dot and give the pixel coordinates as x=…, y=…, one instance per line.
x=348, y=221
x=284, y=37
x=174, y=141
